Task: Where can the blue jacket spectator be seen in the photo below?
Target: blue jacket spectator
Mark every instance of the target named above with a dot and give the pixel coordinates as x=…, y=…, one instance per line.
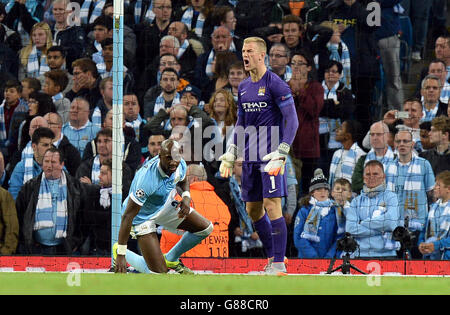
x=319, y=223
x=373, y=215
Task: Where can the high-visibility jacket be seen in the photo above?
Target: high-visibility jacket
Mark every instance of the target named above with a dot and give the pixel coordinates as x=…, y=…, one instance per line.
x=206, y=202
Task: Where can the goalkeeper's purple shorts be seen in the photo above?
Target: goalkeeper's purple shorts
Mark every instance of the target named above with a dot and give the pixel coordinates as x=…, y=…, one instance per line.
x=257, y=184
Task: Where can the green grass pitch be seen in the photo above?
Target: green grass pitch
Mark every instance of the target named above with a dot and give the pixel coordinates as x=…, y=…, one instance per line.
x=208, y=284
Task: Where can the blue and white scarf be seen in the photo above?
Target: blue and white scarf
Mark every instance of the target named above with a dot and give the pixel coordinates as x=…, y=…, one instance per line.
x=57, y=97
x=28, y=158
x=84, y=12
x=319, y=210
x=37, y=64
x=445, y=94
x=44, y=207
x=344, y=59
x=135, y=124
x=183, y=48
x=388, y=157
x=348, y=162
x=149, y=15
x=3, y=135
x=329, y=125
x=97, y=117
x=188, y=17
x=209, y=69
x=160, y=102
x=428, y=115
x=95, y=172
x=438, y=221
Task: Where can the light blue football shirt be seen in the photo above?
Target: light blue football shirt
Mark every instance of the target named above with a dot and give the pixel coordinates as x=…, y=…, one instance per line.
x=152, y=188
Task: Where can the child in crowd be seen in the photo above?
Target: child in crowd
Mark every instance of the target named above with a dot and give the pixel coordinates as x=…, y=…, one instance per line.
x=342, y=192
x=434, y=240
x=319, y=222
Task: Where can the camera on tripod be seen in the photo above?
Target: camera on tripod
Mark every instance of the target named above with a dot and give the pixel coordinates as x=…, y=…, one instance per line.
x=347, y=243
x=404, y=236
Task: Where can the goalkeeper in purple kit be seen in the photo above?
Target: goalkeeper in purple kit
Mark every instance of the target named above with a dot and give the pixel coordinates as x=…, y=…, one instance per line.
x=266, y=110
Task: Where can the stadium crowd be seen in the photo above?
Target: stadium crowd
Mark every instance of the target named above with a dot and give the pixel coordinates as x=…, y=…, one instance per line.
x=369, y=155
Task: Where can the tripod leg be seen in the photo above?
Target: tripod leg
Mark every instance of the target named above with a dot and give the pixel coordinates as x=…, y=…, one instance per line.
x=355, y=268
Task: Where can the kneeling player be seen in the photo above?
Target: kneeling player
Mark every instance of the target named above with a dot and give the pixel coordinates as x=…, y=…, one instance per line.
x=150, y=202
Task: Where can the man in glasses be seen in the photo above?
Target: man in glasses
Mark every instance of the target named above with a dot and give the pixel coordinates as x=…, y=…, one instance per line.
x=412, y=179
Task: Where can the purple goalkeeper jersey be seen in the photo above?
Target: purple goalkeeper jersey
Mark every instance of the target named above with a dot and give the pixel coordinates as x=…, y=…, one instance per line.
x=260, y=115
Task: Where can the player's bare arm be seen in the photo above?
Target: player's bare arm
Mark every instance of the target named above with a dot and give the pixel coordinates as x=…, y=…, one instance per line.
x=186, y=201
x=125, y=227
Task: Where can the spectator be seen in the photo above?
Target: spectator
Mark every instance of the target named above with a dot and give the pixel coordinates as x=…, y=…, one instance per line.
x=39, y=104
x=10, y=119
x=380, y=151
x=359, y=36
x=246, y=241
x=442, y=51
x=9, y=224
x=85, y=82
x=71, y=37
x=221, y=61
x=148, y=87
x=223, y=15
x=149, y=35
x=344, y=160
x=294, y=33
x=33, y=57
x=437, y=67
x=102, y=29
x=338, y=106
x=27, y=151
x=415, y=115
x=131, y=111
x=342, y=192
x=387, y=36
x=50, y=226
x=154, y=146
x=105, y=104
x=187, y=55
x=425, y=142
x=27, y=169
x=129, y=38
x=55, y=83
x=30, y=85
x=279, y=57
x=434, y=238
x=439, y=156
x=411, y=178
x=236, y=74
x=373, y=215
x=22, y=16
x=131, y=148
x=97, y=216
x=319, y=222
x=196, y=15
x=56, y=59
x=308, y=95
x=89, y=170
x=418, y=11
x=221, y=41
x=431, y=91
x=169, y=95
x=71, y=155
x=79, y=130
x=327, y=45
x=223, y=111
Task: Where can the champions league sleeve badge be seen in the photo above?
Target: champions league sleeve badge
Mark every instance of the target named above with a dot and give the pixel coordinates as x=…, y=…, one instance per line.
x=139, y=193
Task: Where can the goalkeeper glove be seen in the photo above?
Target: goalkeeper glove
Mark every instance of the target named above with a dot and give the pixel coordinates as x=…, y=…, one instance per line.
x=277, y=160
x=226, y=166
